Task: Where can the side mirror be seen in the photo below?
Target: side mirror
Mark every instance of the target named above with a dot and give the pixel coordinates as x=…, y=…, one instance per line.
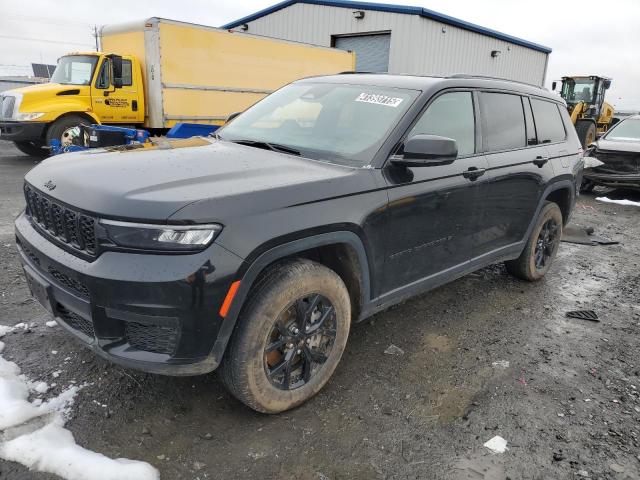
x=116, y=70
x=607, y=84
x=232, y=116
x=427, y=150
x=553, y=85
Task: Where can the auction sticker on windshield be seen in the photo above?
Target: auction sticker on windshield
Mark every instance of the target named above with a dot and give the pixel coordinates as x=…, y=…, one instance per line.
x=379, y=99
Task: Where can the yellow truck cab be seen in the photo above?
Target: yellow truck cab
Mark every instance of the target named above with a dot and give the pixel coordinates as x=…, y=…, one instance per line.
x=86, y=88
x=204, y=75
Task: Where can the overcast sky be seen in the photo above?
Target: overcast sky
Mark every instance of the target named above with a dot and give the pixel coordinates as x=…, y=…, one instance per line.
x=587, y=37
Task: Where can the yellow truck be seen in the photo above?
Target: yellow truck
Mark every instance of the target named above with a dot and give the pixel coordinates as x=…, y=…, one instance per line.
x=155, y=73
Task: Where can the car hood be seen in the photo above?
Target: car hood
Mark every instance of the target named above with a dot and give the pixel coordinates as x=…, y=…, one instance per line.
x=619, y=156
x=152, y=184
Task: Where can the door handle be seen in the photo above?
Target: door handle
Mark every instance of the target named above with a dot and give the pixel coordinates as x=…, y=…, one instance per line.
x=473, y=173
x=540, y=161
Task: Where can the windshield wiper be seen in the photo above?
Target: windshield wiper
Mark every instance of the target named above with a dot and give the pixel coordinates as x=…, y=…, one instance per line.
x=269, y=146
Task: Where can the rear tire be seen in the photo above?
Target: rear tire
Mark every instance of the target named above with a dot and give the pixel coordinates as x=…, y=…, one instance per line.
x=586, y=132
x=542, y=246
x=269, y=343
x=32, y=149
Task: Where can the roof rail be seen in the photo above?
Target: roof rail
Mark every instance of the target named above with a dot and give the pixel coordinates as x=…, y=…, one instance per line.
x=488, y=77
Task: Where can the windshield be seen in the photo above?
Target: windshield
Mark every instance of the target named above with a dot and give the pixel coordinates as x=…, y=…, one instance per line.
x=74, y=70
x=576, y=90
x=625, y=130
x=343, y=124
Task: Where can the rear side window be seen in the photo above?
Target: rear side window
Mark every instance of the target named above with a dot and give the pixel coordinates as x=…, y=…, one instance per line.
x=450, y=115
x=503, y=125
x=548, y=121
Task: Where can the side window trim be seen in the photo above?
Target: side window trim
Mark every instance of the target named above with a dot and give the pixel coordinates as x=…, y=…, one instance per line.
x=433, y=98
x=526, y=104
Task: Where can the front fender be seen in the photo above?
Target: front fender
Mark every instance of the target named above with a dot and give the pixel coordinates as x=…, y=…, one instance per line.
x=281, y=251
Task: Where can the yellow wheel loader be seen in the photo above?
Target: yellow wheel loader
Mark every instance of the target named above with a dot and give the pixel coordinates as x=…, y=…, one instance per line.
x=591, y=115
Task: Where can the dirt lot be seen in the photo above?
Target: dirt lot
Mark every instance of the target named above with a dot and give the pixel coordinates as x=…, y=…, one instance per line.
x=568, y=403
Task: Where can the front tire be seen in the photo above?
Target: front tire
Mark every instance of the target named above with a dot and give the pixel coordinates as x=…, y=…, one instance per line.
x=289, y=337
x=541, y=248
x=67, y=131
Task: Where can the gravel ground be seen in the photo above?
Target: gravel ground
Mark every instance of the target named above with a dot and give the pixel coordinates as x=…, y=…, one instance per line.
x=567, y=402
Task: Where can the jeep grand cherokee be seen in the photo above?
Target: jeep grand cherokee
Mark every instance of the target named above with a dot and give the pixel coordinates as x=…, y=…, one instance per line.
x=326, y=202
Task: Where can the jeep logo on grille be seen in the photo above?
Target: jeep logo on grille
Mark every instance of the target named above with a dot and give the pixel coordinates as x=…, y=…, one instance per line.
x=50, y=185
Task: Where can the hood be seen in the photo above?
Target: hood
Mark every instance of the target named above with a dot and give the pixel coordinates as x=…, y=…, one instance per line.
x=619, y=156
x=43, y=88
x=152, y=184
x=38, y=98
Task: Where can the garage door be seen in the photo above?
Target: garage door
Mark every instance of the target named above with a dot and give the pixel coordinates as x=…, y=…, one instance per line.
x=372, y=51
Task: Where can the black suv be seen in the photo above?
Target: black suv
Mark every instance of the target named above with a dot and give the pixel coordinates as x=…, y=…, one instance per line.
x=326, y=202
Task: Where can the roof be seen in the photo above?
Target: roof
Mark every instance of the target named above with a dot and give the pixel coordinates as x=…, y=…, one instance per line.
x=407, y=10
x=426, y=82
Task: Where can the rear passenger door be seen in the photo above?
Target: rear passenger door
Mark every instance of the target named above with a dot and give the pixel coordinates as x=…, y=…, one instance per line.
x=519, y=168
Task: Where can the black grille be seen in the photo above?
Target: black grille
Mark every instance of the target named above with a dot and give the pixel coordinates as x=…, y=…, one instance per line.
x=152, y=338
x=69, y=282
x=67, y=225
x=75, y=321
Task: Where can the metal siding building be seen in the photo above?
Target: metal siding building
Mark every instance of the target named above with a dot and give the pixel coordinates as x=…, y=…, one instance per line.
x=420, y=41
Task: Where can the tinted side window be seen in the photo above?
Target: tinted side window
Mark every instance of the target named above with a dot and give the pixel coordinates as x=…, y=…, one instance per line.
x=503, y=125
x=548, y=121
x=532, y=139
x=450, y=115
x=126, y=73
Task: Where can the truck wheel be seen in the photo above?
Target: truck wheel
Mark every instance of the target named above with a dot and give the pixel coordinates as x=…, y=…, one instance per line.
x=289, y=337
x=542, y=246
x=32, y=149
x=586, y=132
x=67, y=130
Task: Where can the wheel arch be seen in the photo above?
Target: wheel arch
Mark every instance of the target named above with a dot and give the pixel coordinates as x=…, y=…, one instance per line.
x=89, y=116
x=563, y=197
x=341, y=251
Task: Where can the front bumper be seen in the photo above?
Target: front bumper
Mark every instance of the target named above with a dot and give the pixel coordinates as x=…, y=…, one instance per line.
x=156, y=313
x=622, y=180
x=22, y=131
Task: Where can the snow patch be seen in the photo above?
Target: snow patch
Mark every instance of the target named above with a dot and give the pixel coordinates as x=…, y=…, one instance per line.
x=33, y=433
x=53, y=449
x=1, y=347
x=497, y=444
x=500, y=364
x=51, y=323
x=4, y=330
x=619, y=202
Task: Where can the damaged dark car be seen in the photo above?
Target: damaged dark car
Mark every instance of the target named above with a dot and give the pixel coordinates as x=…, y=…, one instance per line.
x=614, y=160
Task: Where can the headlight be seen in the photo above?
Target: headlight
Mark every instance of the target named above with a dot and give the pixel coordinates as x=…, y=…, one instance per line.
x=161, y=237
x=26, y=116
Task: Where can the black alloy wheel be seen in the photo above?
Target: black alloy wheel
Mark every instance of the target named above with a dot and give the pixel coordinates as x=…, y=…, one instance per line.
x=545, y=245
x=300, y=342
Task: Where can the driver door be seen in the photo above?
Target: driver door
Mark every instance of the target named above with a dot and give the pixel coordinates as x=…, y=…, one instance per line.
x=116, y=105
x=432, y=210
